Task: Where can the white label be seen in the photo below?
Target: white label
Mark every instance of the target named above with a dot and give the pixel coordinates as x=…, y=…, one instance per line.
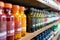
x=0, y=11
x=11, y=31
x=23, y=28
x=19, y=29
x=33, y=25
x=3, y=34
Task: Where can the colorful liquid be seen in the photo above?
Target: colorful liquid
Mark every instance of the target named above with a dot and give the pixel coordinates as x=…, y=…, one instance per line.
x=17, y=19
x=3, y=26
x=23, y=24
x=10, y=24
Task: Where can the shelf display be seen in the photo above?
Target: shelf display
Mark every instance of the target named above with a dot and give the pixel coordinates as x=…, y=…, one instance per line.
x=36, y=19
x=56, y=28
x=46, y=35
x=29, y=19
x=29, y=36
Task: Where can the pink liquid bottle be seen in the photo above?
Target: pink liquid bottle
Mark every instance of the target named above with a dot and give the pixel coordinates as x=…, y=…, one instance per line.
x=3, y=23
x=10, y=21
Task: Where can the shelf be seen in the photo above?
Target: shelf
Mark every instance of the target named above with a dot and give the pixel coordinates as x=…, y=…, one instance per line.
x=33, y=3
x=56, y=36
x=29, y=36
x=46, y=2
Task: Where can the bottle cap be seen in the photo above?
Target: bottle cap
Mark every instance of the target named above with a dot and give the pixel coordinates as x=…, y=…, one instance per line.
x=1, y=4
x=22, y=8
x=15, y=7
x=8, y=5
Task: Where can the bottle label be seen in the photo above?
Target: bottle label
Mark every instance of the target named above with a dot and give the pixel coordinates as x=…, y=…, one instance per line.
x=3, y=34
x=11, y=32
x=23, y=28
x=3, y=28
x=10, y=29
x=33, y=25
x=17, y=27
x=18, y=30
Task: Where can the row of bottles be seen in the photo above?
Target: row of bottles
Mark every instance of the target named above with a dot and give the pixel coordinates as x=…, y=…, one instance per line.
x=36, y=19
x=55, y=28
x=49, y=33
x=46, y=35
x=12, y=21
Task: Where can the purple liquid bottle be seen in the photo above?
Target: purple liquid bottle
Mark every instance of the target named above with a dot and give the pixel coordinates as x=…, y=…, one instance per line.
x=3, y=23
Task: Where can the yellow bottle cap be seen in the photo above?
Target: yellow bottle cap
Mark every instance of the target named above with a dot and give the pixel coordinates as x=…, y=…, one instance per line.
x=15, y=7
x=22, y=8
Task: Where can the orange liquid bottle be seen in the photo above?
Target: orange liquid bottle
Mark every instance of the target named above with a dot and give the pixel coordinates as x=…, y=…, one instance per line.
x=23, y=24
x=17, y=16
x=10, y=21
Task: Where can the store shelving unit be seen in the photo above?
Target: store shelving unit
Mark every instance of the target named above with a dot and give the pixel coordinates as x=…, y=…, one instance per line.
x=49, y=4
x=40, y=4
x=56, y=36
x=29, y=36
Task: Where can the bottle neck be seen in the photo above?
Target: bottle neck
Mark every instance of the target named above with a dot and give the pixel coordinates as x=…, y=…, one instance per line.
x=15, y=11
x=1, y=10
x=21, y=12
x=7, y=10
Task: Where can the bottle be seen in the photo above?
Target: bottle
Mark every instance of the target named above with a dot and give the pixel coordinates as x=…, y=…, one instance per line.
x=42, y=15
x=31, y=21
x=33, y=18
x=38, y=20
x=10, y=21
x=36, y=16
x=23, y=23
x=41, y=19
x=17, y=16
x=3, y=32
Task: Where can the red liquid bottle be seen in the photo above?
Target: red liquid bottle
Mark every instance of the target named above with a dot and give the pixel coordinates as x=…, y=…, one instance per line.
x=2, y=23
x=10, y=21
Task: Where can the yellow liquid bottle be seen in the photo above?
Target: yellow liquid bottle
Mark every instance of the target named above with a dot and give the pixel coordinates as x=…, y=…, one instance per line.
x=23, y=24
x=15, y=11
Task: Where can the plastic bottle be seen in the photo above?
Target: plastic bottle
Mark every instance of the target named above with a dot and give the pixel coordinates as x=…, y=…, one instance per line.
x=33, y=18
x=17, y=16
x=41, y=19
x=10, y=21
x=3, y=23
x=31, y=21
x=23, y=24
x=36, y=16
